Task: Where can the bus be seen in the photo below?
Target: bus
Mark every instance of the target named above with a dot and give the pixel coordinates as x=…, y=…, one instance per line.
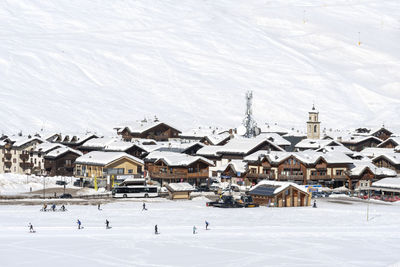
x=135, y=191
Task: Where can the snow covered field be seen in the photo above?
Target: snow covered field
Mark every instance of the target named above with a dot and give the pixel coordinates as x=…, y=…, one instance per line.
x=73, y=64
x=334, y=234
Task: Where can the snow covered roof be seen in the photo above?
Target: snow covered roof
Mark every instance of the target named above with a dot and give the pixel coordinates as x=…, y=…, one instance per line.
x=180, y=187
x=119, y=146
x=100, y=142
x=61, y=151
x=203, y=131
x=176, y=159
x=395, y=140
x=241, y=145
x=143, y=126
x=372, y=152
x=278, y=186
x=340, y=148
x=316, y=143
x=390, y=182
x=216, y=139
x=307, y=157
x=75, y=138
x=46, y=147
x=18, y=141
x=273, y=128
x=275, y=138
x=104, y=158
x=237, y=165
x=209, y=151
x=359, y=167
x=394, y=158
x=352, y=139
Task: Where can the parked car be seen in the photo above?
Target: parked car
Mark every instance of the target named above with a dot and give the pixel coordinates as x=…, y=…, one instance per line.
x=61, y=182
x=66, y=196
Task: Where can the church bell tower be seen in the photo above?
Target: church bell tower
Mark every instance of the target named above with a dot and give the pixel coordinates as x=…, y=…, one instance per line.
x=313, y=124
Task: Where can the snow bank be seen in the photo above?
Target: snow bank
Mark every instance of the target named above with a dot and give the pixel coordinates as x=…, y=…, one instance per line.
x=17, y=183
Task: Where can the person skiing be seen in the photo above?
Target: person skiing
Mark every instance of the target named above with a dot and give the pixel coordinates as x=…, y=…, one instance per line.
x=156, y=229
x=207, y=225
x=31, y=228
x=98, y=206
x=315, y=204
x=62, y=208
x=194, y=229
x=79, y=223
x=53, y=207
x=107, y=224
x=44, y=207
x=144, y=206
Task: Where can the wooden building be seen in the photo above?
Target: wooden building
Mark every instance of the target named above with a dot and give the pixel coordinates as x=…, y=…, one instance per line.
x=179, y=190
x=102, y=165
x=280, y=194
x=391, y=142
x=155, y=130
x=60, y=161
x=358, y=143
x=170, y=167
x=388, y=160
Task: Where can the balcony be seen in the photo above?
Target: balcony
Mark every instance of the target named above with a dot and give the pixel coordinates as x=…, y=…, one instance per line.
x=24, y=156
x=201, y=174
x=321, y=166
x=291, y=177
x=260, y=176
x=26, y=165
x=8, y=164
x=339, y=176
x=165, y=175
x=320, y=177
x=291, y=166
x=8, y=156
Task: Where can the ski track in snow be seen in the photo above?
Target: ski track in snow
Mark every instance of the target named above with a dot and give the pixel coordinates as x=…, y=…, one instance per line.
x=331, y=235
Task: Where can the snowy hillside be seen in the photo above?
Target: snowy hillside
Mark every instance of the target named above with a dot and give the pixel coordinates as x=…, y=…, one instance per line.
x=92, y=64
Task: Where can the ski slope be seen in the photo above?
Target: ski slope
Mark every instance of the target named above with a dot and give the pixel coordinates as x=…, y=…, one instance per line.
x=334, y=234
x=90, y=65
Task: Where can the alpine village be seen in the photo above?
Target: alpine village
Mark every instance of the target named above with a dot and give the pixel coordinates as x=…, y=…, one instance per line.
x=268, y=164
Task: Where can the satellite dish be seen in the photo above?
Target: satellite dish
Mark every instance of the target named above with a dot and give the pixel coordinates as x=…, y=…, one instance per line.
x=257, y=131
x=241, y=130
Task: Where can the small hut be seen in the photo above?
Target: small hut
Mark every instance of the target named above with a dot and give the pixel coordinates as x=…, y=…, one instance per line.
x=179, y=190
x=280, y=194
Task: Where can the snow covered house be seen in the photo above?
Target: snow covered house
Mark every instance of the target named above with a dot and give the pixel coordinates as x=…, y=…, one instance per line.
x=171, y=167
x=388, y=187
x=148, y=129
x=74, y=140
x=358, y=143
x=316, y=144
x=280, y=194
x=234, y=171
x=61, y=161
x=381, y=132
x=306, y=167
x=99, y=164
x=363, y=173
x=388, y=160
x=391, y=142
x=15, y=152
x=179, y=190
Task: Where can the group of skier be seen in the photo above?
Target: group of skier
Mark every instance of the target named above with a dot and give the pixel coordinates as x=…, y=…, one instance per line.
x=53, y=208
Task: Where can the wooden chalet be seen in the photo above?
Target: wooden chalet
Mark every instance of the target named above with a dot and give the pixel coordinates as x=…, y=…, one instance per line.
x=74, y=141
x=155, y=130
x=391, y=142
x=388, y=160
x=358, y=143
x=170, y=167
x=363, y=173
x=280, y=194
x=179, y=190
x=61, y=161
x=234, y=171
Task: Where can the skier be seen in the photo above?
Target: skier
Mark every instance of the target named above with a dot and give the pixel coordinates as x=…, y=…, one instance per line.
x=207, y=225
x=144, y=206
x=62, y=208
x=31, y=228
x=98, y=206
x=315, y=204
x=194, y=229
x=156, y=229
x=53, y=207
x=44, y=207
x=79, y=223
x=107, y=224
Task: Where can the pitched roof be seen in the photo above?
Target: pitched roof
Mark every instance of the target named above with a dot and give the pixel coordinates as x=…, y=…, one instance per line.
x=237, y=165
x=180, y=187
x=143, y=126
x=176, y=159
x=388, y=183
x=104, y=158
x=315, y=143
x=393, y=158
x=395, y=140
x=240, y=145
x=276, y=185
x=61, y=151
x=359, y=167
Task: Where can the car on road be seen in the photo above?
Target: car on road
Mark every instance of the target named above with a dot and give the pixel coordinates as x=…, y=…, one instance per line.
x=61, y=182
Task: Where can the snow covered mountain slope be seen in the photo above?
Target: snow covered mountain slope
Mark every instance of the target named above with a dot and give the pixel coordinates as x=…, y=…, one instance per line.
x=73, y=64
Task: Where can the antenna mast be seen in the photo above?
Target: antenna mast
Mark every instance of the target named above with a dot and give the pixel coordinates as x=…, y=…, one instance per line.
x=249, y=123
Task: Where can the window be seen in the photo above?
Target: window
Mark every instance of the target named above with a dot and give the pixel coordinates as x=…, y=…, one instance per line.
x=68, y=162
x=130, y=171
x=315, y=128
x=14, y=160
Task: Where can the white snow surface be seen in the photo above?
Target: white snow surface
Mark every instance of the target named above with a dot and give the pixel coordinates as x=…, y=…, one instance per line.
x=74, y=64
x=333, y=234
x=11, y=183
